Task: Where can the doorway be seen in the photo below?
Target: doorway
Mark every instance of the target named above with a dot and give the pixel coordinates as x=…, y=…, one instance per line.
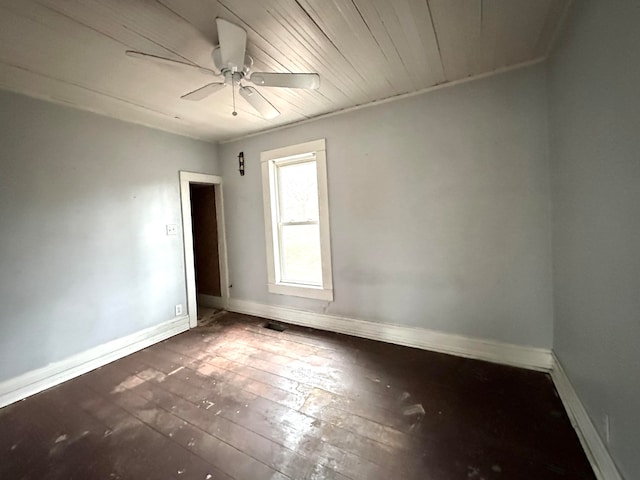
x=205, y=251
x=204, y=245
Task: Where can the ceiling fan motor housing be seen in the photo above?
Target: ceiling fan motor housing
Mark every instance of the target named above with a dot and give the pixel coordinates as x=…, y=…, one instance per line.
x=243, y=70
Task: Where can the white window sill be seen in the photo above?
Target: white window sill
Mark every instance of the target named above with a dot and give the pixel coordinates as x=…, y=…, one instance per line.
x=318, y=293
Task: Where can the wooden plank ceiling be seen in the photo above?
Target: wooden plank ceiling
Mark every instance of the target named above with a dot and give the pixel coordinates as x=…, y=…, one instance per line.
x=72, y=52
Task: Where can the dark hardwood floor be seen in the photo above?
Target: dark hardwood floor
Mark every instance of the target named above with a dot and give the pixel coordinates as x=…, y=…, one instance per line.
x=235, y=400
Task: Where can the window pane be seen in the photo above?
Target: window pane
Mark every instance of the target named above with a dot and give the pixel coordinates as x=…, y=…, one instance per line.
x=298, y=192
x=301, y=254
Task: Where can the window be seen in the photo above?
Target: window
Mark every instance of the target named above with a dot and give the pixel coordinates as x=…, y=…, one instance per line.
x=296, y=210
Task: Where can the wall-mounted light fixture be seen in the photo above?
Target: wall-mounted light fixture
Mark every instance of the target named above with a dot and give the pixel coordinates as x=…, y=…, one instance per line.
x=241, y=163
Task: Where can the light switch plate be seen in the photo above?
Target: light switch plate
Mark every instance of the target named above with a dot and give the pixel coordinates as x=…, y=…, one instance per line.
x=172, y=229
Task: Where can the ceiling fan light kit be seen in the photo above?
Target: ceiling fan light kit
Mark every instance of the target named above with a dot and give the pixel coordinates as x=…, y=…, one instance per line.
x=234, y=66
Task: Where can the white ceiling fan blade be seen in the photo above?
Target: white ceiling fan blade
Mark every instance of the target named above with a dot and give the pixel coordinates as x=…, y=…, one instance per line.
x=203, y=92
x=168, y=61
x=258, y=102
x=233, y=43
x=288, y=80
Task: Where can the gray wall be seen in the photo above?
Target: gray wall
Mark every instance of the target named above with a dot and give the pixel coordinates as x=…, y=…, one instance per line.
x=84, y=258
x=594, y=92
x=439, y=211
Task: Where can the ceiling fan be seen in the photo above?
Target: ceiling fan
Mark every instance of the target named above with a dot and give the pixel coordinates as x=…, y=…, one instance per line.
x=234, y=69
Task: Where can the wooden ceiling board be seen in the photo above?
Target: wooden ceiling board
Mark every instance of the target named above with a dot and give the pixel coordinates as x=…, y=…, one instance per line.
x=37, y=53
x=79, y=65
x=154, y=84
x=150, y=20
x=398, y=71
x=265, y=53
x=162, y=84
x=458, y=26
x=72, y=52
x=199, y=13
x=24, y=81
x=307, y=56
x=306, y=33
x=403, y=21
x=346, y=31
x=310, y=103
x=421, y=13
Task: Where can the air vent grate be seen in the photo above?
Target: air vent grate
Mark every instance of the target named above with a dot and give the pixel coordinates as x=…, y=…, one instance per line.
x=278, y=327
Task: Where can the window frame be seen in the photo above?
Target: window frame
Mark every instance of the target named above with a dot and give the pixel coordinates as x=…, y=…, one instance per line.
x=292, y=154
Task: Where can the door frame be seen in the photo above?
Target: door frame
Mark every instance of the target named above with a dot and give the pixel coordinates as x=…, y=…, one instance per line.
x=187, y=178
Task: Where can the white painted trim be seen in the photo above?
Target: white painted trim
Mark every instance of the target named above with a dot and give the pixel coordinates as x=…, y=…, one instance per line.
x=402, y=96
x=222, y=245
x=309, y=148
x=489, y=350
x=270, y=160
x=36, y=381
x=305, y=291
x=210, y=301
x=595, y=449
x=190, y=272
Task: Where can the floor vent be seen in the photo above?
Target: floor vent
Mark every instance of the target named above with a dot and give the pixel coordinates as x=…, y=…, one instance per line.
x=278, y=327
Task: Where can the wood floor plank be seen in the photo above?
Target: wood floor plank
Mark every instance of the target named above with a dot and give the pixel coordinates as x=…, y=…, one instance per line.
x=233, y=400
x=376, y=432
x=179, y=419
x=222, y=424
x=262, y=416
x=120, y=447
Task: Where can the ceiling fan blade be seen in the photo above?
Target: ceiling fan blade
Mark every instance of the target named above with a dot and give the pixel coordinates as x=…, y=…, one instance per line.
x=233, y=43
x=288, y=80
x=258, y=102
x=203, y=92
x=168, y=61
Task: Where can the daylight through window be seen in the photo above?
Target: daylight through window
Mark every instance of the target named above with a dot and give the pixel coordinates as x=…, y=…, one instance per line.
x=296, y=220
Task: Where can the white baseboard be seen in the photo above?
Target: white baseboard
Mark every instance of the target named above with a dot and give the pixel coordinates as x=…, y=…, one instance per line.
x=532, y=358
x=595, y=449
x=53, y=374
x=210, y=301
x=493, y=351
x=489, y=350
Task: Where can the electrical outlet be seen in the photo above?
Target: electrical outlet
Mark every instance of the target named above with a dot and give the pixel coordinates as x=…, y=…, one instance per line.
x=178, y=309
x=172, y=229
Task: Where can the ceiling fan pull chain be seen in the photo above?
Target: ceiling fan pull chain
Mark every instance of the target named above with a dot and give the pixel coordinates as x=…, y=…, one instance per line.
x=233, y=94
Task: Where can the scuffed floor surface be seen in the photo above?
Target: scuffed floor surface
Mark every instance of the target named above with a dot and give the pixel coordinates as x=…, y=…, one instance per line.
x=234, y=400
x=207, y=315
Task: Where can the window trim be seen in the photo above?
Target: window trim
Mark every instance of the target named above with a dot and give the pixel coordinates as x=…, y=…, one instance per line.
x=286, y=155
